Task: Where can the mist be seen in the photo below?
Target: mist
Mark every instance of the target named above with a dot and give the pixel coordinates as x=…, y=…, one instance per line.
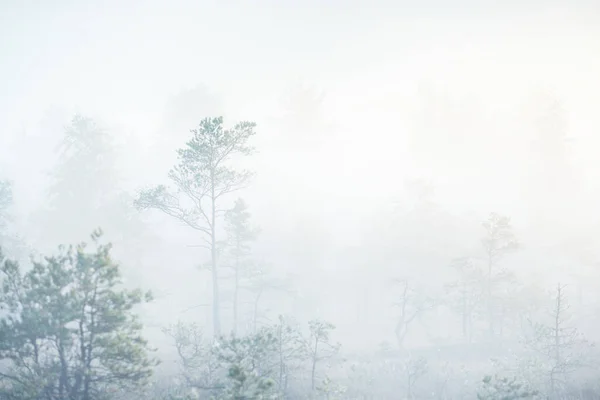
x=411, y=188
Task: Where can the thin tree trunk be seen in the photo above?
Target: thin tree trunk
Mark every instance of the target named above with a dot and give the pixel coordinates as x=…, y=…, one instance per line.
x=465, y=316
x=489, y=296
x=214, y=269
x=409, y=387
x=235, y=298
x=255, y=318
x=557, y=344
x=281, y=364
x=470, y=325
x=501, y=323
x=63, y=380
x=314, y=364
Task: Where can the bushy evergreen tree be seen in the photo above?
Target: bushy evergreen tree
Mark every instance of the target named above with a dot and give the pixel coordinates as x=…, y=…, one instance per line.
x=70, y=330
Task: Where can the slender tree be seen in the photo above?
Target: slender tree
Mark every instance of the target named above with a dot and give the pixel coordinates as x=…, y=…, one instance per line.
x=414, y=368
x=318, y=346
x=240, y=235
x=199, y=367
x=412, y=303
x=259, y=282
x=290, y=352
x=466, y=293
x=498, y=241
x=202, y=178
x=560, y=347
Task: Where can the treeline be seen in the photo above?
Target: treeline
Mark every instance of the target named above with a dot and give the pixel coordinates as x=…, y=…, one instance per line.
x=71, y=329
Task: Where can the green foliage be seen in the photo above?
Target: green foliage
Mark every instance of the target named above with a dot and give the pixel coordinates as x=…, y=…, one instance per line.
x=70, y=329
x=201, y=173
x=228, y=368
x=202, y=177
x=249, y=364
x=211, y=147
x=255, y=366
x=495, y=388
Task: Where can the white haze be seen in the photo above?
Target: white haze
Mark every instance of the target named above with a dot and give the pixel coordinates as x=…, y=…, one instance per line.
x=388, y=70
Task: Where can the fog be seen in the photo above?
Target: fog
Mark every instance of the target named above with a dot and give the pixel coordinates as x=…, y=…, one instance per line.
x=388, y=134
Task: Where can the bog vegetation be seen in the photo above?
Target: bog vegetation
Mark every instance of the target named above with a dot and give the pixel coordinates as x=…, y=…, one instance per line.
x=72, y=327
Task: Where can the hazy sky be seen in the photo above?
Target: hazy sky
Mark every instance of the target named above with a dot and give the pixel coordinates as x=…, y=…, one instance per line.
x=124, y=58
x=121, y=61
